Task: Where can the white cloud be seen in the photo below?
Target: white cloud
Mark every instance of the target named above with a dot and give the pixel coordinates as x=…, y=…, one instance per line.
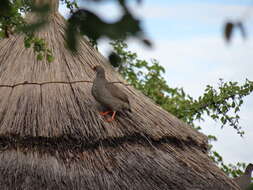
x=195, y=61
x=201, y=60
x=205, y=12
x=64, y=10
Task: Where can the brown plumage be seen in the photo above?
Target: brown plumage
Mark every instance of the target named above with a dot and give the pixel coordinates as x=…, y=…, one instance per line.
x=110, y=97
x=245, y=180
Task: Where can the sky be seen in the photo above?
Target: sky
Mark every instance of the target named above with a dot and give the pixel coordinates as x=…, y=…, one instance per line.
x=188, y=42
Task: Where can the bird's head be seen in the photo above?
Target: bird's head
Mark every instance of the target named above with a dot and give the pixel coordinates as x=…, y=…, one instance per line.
x=249, y=168
x=99, y=69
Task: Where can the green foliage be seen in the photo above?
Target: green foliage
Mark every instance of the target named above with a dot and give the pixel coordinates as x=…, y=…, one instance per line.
x=114, y=59
x=222, y=104
x=40, y=47
x=250, y=187
x=91, y=25
x=10, y=17
x=71, y=5
x=232, y=170
x=39, y=44
x=81, y=21
x=11, y=21
x=230, y=27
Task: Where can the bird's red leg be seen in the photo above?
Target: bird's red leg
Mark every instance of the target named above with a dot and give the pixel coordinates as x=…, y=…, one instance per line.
x=112, y=118
x=105, y=113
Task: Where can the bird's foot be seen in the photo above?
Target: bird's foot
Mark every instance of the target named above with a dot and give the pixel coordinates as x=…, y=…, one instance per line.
x=105, y=113
x=112, y=118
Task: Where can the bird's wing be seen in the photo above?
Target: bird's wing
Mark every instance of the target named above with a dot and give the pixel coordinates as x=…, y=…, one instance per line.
x=117, y=92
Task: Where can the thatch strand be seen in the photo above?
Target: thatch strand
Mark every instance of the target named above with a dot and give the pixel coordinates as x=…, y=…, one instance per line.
x=52, y=136
x=54, y=4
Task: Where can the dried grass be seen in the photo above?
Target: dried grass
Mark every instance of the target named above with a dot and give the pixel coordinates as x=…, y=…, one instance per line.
x=52, y=136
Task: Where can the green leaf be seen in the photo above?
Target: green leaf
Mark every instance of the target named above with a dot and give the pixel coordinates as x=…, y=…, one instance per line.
x=50, y=58
x=229, y=26
x=40, y=56
x=114, y=59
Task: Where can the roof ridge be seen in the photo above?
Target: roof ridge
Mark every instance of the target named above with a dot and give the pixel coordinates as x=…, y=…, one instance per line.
x=54, y=82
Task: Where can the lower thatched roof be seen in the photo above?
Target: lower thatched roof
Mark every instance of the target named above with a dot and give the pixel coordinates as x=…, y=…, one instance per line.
x=52, y=136
x=130, y=164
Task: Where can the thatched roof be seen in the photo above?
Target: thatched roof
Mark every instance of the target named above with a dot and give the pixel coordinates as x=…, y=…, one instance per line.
x=52, y=136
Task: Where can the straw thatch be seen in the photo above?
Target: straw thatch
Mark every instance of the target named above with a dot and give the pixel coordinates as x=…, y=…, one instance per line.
x=52, y=136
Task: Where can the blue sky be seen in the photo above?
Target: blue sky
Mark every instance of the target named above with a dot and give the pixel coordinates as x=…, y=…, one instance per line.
x=188, y=42
x=220, y=2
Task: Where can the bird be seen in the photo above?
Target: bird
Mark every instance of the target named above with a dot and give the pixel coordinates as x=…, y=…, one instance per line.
x=245, y=179
x=108, y=95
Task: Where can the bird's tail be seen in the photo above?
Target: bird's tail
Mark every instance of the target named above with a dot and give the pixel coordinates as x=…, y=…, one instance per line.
x=126, y=113
x=127, y=108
